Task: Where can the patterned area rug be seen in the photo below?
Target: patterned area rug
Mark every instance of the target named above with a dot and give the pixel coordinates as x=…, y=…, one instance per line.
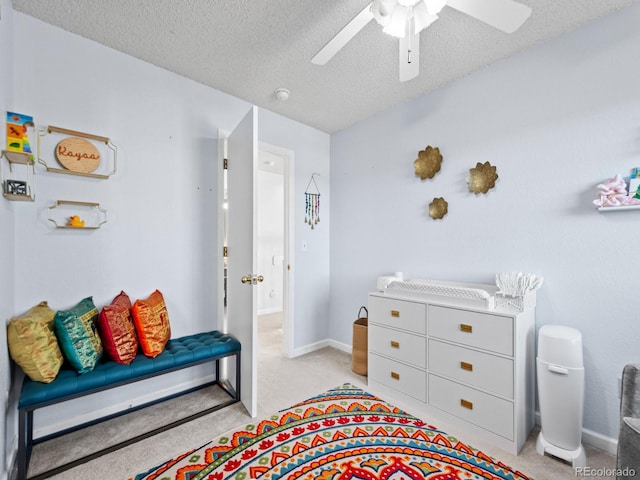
x=342, y=434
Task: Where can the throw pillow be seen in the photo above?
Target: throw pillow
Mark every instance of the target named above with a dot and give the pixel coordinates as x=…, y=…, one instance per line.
x=33, y=345
x=117, y=331
x=151, y=319
x=78, y=335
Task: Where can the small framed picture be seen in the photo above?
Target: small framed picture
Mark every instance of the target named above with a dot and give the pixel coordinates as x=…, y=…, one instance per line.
x=16, y=187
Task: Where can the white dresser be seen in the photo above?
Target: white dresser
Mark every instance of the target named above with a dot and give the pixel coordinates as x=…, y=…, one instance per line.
x=471, y=366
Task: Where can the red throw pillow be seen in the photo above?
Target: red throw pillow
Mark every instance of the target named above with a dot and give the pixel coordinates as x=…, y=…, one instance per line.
x=151, y=319
x=117, y=330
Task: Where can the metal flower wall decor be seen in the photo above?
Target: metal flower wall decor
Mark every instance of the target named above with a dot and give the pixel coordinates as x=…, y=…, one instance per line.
x=438, y=208
x=428, y=162
x=482, y=178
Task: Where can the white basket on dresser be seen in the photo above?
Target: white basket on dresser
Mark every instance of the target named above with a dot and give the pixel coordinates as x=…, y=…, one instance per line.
x=455, y=357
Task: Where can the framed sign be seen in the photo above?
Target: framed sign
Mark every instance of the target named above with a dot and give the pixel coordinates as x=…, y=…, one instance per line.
x=78, y=153
x=15, y=187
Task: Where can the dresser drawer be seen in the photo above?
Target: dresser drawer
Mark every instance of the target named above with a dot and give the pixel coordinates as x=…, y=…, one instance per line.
x=401, y=377
x=402, y=346
x=482, y=370
x=398, y=313
x=480, y=330
x=481, y=409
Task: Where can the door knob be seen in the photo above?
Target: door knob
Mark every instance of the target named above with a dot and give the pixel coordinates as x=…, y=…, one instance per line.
x=252, y=279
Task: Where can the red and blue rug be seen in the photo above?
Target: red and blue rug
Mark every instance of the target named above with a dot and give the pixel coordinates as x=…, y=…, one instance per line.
x=342, y=434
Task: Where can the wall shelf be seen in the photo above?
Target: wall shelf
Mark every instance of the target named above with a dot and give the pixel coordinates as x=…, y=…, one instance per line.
x=18, y=183
x=619, y=209
x=91, y=214
x=103, y=145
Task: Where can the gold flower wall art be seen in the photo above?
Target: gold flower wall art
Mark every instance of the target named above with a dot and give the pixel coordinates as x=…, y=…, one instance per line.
x=482, y=178
x=438, y=208
x=428, y=162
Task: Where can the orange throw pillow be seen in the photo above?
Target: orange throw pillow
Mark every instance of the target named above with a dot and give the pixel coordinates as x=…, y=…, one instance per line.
x=151, y=319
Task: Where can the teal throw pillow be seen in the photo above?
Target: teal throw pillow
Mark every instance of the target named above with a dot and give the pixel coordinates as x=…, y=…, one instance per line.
x=78, y=335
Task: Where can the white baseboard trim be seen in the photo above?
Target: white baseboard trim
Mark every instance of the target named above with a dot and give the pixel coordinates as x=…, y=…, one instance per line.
x=119, y=407
x=310, y=348
x=321, y=344
x=267, y=311
x=594, y=439
x=599, y=441
x=340, y=346
x=11, y=460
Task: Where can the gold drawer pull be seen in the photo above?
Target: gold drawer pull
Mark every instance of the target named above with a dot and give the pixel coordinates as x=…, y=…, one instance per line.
x=395, y=376
x=466, y=328
x=466, y=366
x=395, y=313
x=395, y=344
x=466, y=404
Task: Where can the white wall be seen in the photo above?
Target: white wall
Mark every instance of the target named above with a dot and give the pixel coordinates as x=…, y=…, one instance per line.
x=162, y=204
x=7, y=249
x=556, y=121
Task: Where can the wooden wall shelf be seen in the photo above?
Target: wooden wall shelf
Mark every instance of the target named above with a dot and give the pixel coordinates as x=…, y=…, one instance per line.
x=619, y=209
x=18, y=183
x=14, y=197
x=93, y=215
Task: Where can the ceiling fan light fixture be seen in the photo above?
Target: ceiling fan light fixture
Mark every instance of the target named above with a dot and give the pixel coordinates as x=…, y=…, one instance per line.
x=397, y=27
x=421, y=17
x=435, y=6
x=382, y=11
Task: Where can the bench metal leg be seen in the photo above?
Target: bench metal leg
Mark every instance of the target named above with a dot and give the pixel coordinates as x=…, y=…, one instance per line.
x=25, y=441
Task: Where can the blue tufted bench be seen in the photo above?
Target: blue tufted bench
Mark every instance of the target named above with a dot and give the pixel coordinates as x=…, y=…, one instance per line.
x=179, y=353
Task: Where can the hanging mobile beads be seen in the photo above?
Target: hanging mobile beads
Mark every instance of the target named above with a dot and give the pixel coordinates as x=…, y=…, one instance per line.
x=312, y=204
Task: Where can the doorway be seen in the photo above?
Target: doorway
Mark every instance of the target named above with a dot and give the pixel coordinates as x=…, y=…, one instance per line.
x=271, y=217
x=276, y=246
x=275, y=171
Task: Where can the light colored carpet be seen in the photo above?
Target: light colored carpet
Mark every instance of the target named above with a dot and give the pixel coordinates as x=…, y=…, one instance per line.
x=281, y=383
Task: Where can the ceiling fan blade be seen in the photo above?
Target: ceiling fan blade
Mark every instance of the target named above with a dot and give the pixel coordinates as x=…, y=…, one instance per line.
x=505, y=15
x=343, y=36
x=409, y=56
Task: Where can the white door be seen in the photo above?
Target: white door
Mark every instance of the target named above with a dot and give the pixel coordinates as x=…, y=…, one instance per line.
x=242, y=256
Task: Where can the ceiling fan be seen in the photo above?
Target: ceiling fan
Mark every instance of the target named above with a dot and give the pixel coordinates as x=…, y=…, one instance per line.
x=405, y=19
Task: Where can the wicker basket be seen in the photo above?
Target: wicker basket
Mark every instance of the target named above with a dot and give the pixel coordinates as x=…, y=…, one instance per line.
x=516, y=303
x=360, y=348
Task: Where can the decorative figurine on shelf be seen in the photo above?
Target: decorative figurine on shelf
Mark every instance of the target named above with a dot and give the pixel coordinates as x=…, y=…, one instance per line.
x=613, y=193
x=76, y=221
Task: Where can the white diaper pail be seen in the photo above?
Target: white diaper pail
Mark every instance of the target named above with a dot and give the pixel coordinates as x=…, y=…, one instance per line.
x=560, y=372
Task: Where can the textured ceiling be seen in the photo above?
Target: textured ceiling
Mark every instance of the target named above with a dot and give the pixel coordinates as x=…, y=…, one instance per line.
x=248, y=48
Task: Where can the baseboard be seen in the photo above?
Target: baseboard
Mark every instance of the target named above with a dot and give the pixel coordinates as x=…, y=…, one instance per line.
x=10, y=467
x=594, y=439
x=321, y=344
x=120, y=407
x=310, y=348
x=268, y=311
x=340, y=346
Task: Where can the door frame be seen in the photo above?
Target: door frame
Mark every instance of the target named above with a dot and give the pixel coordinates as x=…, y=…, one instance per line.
x=288, y=157
x=289, y=243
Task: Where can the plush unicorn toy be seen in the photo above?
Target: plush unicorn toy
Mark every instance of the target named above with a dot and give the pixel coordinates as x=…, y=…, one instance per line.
x=613, y=193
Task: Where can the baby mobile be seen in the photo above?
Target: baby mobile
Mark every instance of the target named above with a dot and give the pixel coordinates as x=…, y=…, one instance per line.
x=312, y=203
